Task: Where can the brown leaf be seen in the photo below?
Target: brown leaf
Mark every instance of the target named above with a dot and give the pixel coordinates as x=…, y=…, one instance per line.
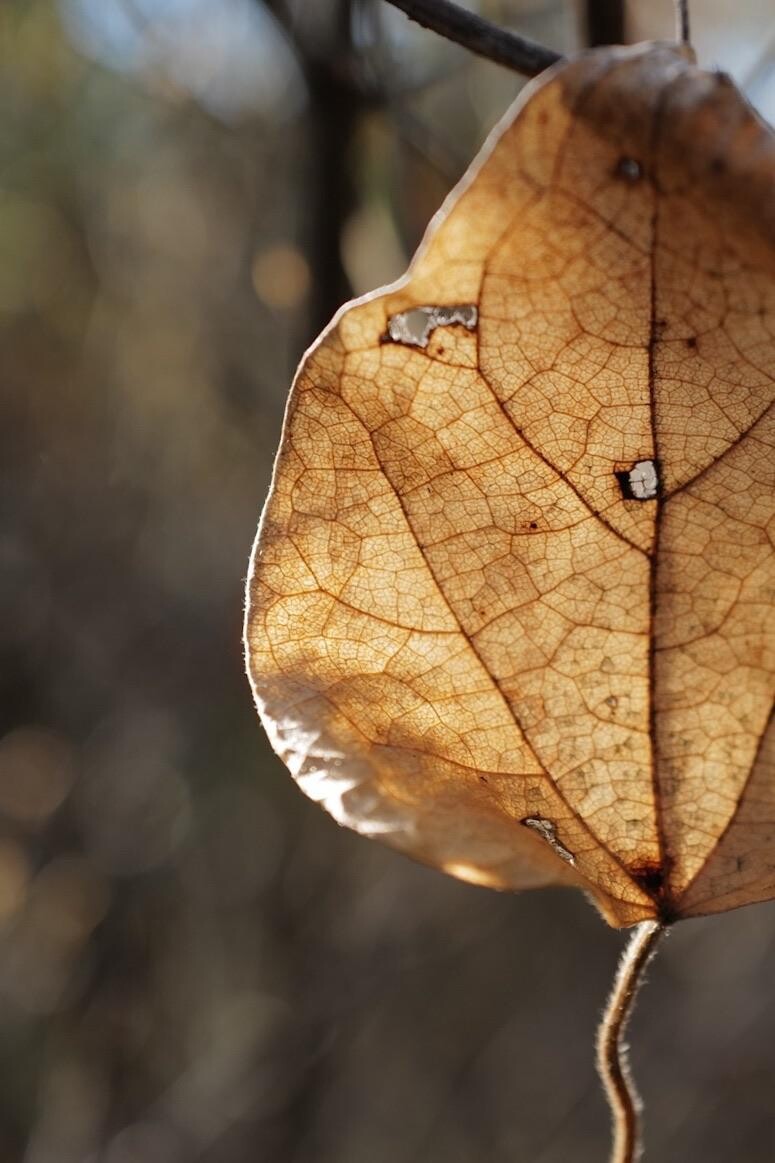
x=508, y=602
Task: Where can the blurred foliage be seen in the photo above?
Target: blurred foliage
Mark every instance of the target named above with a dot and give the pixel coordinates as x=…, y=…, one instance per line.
x=195, y=964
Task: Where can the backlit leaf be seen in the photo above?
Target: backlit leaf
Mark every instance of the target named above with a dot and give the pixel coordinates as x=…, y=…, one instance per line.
x=509, y=602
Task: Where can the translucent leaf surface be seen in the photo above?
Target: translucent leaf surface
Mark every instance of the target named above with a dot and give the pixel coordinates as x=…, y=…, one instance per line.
x=508, y=607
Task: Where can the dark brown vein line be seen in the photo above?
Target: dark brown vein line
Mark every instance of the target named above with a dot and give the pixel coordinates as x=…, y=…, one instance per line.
x=653, y=596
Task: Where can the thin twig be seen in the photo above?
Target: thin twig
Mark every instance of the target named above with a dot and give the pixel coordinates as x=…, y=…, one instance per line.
x=611, y=1049
x=479, y=35
x=682, y=21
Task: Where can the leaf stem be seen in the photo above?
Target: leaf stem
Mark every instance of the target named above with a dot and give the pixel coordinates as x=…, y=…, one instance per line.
x=479, y=35
x=612, y=1063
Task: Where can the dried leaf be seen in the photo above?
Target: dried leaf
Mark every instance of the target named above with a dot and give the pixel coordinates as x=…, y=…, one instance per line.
x=508, y=603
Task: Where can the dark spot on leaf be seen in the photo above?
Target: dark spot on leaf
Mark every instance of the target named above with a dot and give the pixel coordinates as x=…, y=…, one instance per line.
x=628, y=169
x=533, y=525
x=650, y=877
x=691, y=341
x=653, y=879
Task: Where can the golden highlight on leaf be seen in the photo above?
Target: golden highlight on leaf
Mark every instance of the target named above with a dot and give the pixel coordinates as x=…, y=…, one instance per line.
x=509, y=606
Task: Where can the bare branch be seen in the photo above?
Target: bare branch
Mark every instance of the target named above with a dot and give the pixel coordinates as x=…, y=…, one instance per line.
x=611, y=1049
x=479, y=36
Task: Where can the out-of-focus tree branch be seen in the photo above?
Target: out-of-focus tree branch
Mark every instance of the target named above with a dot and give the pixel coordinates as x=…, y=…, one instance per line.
x=337, y=101
x=605, y=22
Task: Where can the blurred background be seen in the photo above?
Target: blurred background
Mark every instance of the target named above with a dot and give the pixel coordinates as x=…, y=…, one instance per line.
x=195, y=963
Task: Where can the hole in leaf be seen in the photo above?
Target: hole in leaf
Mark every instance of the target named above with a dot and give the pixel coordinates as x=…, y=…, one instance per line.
x=414, y=328
x=629, y=169
x=547, y=831
x=640, y=482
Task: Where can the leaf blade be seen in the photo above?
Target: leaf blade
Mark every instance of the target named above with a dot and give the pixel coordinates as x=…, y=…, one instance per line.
x=475, y=598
